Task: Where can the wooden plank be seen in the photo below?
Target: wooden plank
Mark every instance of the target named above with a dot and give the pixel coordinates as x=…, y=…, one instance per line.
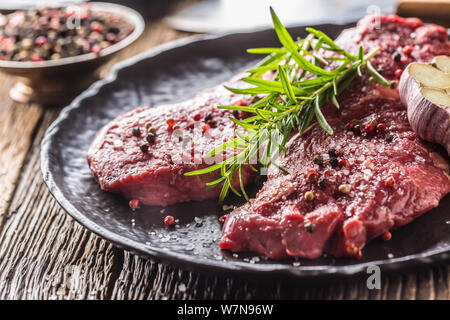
x=17, y=124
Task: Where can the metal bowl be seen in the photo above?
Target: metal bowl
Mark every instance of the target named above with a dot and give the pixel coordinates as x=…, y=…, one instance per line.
x=53, y=82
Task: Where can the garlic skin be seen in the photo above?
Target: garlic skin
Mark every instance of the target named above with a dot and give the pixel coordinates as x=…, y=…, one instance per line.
x=430, y=120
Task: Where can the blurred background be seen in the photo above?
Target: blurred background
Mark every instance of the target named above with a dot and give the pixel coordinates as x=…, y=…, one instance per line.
x=220, y=16
x=185, y=17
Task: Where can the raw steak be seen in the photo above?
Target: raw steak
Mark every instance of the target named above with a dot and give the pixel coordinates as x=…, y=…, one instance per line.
x=183, y=136
x=389, y=183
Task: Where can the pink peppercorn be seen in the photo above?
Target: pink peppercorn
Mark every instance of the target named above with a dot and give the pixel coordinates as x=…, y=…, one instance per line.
x=134, y=204
x=169, y=221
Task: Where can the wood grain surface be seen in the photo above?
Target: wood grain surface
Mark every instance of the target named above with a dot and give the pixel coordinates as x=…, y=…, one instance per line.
x=45, y=254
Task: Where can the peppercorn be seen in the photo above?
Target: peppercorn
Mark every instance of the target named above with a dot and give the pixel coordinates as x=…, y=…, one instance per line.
x=344, y=188
x=111, y=37
x=96, y=49
x=318, y=160
x=332, y=152
x=40, y=41
x=398, y=73
x=26, y=43
x=136, y=132
x=208, y=117
x=150, y=138
x=212, y=123
x=312, y=175
x=236, y=114
x=36, y=58
x=169, y=221
x=309, y=196
x=349, y=126
x=334, y=161
x=55, y=56
x=96, y=26
x=104, y=44
x=386, y=236
x=148, y=125
x=381, y=127
x=354, y=251
x=144, y=148
x=344, y=163
x=396, y=56
x=323, y=183
x=369, y=128
x=389, y=137
x=408, y=49
x=309, y=227
x=170, y=123
x=152, y=130
x=134, y=204
x=389, y=182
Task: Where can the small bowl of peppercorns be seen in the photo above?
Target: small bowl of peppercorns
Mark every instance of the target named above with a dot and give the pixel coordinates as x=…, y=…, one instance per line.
x=57, y=52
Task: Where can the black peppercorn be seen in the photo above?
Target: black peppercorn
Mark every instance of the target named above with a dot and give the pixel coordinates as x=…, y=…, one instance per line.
x=208, y=117
x=309, y=227
x=236, y=114
x=136, y=132
x=332, y=152
x=212, y=123
x=323, y=183
x=334, y=161
x=150, y=138
x=397, y=57
x=144, y=148
x=389, y=137
x=318, y=160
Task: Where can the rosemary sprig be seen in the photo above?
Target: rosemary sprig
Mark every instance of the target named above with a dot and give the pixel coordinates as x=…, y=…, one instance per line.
x=289, y=102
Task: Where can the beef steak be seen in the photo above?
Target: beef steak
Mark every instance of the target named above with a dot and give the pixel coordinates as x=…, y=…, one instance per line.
x=378, y=181
x=183, y=133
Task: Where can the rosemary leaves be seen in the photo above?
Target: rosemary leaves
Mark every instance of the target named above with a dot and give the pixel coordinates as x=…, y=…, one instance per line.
x=303, y=81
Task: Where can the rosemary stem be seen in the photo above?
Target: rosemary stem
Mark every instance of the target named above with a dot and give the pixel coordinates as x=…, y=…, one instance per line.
x=280, y=111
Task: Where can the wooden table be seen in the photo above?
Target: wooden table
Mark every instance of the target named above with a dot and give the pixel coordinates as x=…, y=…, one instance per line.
x=45, y=254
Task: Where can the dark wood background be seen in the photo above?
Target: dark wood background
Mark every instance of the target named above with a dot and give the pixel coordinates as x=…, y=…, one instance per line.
x=45, y=254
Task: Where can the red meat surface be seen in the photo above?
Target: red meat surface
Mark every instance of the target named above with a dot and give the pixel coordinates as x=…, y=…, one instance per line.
x=390, y=183
x=182, y=138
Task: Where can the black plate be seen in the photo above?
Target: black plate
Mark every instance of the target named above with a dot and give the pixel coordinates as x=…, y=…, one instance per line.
x=169, y=73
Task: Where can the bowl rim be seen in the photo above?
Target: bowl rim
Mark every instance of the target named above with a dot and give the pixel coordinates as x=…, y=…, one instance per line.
x=130, y=15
